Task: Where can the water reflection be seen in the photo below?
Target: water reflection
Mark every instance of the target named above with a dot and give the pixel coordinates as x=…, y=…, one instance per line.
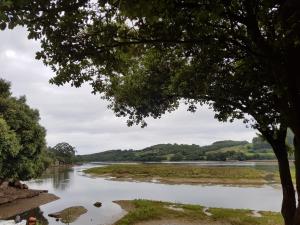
x=59, y=177
x=75, y=189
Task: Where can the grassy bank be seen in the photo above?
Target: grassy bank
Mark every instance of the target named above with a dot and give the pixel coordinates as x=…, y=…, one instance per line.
x=145, y=212
x=184, y=173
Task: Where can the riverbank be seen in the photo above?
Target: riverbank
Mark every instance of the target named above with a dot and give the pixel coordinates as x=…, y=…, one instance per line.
x=19, y=206
x=145, y=212
x=184, y=174
x=14, y=200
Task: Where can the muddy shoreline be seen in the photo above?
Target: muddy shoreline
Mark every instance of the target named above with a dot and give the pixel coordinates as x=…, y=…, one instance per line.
x=15, y=201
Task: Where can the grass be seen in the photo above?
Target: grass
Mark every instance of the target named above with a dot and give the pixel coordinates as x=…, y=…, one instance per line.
x=183, y=173
x=146, y=210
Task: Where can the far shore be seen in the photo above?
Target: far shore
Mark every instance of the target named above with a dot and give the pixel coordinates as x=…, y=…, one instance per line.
x=269, y=161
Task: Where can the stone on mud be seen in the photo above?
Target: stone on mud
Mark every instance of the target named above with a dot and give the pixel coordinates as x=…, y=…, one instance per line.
x=69, y=215
x=98, y=204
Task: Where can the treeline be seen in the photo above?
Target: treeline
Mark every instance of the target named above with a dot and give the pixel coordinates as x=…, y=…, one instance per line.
x=23, y=150
x=258, y=149
x=61, y=154
x=22, y=138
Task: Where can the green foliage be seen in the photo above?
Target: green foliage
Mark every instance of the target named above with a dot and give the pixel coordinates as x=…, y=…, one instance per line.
x=144, y=212
x=9, y=148
x=4, y=89
x=47, y=159
x=260, y=144
x=63, y=152
x=239, y=57
x=23, y=139
x=177, y=157
x=229, y=155
x=223, y=144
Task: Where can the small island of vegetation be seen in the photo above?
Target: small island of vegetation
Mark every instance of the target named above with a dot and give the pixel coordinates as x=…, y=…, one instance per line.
x=145, y=212
x=185, y=174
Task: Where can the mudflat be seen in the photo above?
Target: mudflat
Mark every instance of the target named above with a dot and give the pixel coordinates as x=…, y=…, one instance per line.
x=69, y=215
x=15, y=201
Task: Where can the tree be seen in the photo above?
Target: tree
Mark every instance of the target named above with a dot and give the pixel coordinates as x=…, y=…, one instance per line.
x=9, y=148
x=260, y=144
x=177, y=157
x=64, y=152
x=264, y=33
x=238, y=56
x=95, y=42
x=22, y=137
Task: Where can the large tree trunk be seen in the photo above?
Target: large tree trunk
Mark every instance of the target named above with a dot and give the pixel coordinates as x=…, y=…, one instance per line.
x=277, y=141
x=297, y=169
x=289, y=200
x=288, y=207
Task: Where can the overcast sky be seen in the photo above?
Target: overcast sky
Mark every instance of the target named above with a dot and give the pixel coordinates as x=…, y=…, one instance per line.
x=83, y=120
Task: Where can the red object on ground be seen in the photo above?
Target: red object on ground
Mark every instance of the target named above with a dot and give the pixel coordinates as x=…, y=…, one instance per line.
x=32, y=221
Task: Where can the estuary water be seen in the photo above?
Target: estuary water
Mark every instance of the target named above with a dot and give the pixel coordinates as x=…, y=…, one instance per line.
x=77, y=189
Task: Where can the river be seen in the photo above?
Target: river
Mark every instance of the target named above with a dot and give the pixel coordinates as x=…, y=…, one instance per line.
x=77, y=189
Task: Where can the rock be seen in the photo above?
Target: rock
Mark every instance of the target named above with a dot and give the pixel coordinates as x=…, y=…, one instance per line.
x=4, y=184
x=206, y=212
x=15, y=184
x=17, y=219
x=24, y=186
x=55, y=215
x=69, y=215
x=98, y=204
x=18, y=184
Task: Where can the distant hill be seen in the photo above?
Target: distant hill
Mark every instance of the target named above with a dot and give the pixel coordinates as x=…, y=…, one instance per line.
x=219, y=151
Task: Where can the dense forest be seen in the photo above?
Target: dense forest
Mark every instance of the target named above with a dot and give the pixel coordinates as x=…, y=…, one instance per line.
x=258, y=149
x=22, y=138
